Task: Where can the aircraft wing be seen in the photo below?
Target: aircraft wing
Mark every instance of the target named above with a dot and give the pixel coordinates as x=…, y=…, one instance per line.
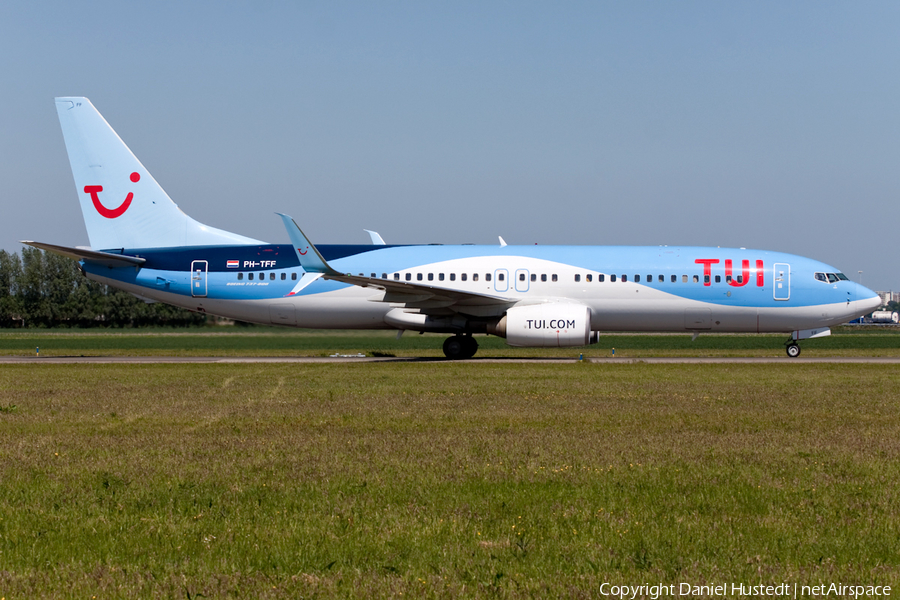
x=416, y=295
x=428, y=298
x=107, y=259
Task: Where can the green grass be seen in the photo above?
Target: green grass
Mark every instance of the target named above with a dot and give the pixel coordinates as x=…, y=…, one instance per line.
x=443, y=480
x=268, y=341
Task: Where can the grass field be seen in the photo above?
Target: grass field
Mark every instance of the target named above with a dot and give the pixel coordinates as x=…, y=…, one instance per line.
x=273, y=341
x=443, y=480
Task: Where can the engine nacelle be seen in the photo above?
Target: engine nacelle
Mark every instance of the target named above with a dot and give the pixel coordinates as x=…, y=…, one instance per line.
x=549, y=325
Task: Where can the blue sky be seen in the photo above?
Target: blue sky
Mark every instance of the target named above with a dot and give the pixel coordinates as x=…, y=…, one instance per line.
x=758, y=124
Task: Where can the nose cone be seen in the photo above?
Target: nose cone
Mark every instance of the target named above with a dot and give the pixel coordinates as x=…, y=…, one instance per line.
x=866, y=300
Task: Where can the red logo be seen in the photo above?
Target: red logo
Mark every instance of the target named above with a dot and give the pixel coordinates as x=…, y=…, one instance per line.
x=94, y=191
x=304, y=252
x=738, y=282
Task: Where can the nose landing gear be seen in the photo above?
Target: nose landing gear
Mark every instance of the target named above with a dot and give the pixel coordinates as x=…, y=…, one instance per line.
x=791, y=347
x=460, y=347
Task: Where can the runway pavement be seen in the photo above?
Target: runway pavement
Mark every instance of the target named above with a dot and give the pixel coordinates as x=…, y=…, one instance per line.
x=56, y=360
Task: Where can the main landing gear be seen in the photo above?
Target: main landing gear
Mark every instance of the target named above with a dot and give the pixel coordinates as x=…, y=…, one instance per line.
x=460, y=347
x=793, y=349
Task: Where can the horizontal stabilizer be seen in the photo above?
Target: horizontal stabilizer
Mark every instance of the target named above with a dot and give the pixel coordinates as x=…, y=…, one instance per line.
x=92, y=256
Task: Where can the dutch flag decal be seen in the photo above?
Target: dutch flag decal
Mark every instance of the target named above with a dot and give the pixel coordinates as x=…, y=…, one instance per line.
x=233, y=264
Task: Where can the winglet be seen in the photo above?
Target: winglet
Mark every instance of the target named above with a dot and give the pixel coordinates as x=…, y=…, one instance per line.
x=502, y=241
x=377, y=240
x=310, y=259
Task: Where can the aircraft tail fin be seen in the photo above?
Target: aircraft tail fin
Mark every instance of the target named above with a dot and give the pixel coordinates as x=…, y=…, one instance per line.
x=122, y=204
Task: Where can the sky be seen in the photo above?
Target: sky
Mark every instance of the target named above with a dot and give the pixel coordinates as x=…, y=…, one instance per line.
x=767, y=125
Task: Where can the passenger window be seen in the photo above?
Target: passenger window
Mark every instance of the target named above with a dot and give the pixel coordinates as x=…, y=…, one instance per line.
x=462, y=276
x=440, y=276
x=740, y=279
x=684, y=279
x=577, y=278
x=262, y=276
x=474, y=276
x=373, y=276
x=501, y=277
x=250, y=276
x=706, y=279
x=544, y=277
x=588, y=277
x=728, y=279
x=272, y=276
x=612, y=278
x=396, y=276
x=521, y=276
x=674, y=278
x=637, y=278
x=431, y=277
x=601, y=277
x=718, y=279
x=533, y=277
x=696, y=279
x=409, y=276
x=554, y=277
x=240, y=276
x=283, y=276
x=452, y=276
x=662, y=278
x=624, y=278
x=487, y=276
x=384, y=275
x=293, y=277
x=649, y=278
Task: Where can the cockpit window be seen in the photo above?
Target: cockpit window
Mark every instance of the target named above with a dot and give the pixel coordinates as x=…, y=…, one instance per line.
x=842, y=277
x=832, y=278
x=821, y=277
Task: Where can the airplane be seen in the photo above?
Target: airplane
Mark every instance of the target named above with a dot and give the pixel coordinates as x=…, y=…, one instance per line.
x=537, y=296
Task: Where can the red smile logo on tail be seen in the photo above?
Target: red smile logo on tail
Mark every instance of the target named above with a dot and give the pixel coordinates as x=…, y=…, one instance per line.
x=94, y=191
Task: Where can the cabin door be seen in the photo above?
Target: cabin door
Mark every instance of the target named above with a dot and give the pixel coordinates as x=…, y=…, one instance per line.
x=781, y=281
x=501, y=280
x=522, y=280
x=198, y=278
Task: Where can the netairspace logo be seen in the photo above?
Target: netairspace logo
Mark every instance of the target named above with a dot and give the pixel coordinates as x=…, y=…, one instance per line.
x=737, y=590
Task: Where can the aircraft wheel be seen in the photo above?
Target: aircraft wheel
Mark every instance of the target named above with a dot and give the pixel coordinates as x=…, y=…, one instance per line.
x=793, y=350
x=455, y=347
x=471, y=346
x=460, y=347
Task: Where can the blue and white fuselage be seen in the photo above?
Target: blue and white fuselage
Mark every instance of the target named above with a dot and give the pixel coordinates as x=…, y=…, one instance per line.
x=532, y=295
x=626, y=288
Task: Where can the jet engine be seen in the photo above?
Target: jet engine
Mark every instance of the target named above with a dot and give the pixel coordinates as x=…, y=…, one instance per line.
x=547, y=325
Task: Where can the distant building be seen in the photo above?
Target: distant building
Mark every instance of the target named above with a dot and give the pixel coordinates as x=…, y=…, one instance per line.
x=889, y=297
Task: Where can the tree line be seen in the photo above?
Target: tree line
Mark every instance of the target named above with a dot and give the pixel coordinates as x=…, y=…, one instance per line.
x=42, y=289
